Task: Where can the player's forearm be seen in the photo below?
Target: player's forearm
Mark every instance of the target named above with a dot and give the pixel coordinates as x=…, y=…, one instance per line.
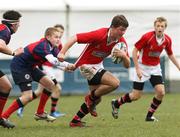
x=54, y=61
x=135, y=58
x=62, y=65
x=126, y=62
x=69, y=44
x=6, y=50
x=174, y=60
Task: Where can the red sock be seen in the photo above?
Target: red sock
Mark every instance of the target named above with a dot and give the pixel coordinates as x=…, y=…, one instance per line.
x=43, y=99
x=2, y=104
x=13, y=107
x=77, y=118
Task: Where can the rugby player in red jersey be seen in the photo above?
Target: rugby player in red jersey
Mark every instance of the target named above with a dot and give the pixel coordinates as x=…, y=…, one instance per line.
x=146, y=57
x=99, y=45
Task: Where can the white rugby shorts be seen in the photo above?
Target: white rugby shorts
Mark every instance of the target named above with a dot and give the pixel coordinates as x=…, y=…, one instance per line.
x=89, y=70
x=147, y=71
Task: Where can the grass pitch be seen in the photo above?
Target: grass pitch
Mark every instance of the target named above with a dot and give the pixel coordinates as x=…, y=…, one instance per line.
x=130, y=123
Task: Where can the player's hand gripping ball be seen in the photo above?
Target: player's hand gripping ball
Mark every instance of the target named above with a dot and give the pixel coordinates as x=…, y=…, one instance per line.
x=119, y=46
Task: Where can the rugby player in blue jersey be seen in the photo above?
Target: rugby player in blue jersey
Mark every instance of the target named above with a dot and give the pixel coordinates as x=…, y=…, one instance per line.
x=24, y=70
x=9, y=26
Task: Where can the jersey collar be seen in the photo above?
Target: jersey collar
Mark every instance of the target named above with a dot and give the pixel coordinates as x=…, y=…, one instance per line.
x=109, y=40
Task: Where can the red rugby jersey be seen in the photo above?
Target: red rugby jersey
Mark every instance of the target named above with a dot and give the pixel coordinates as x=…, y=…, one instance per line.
x=97, y=48
x=150, y=50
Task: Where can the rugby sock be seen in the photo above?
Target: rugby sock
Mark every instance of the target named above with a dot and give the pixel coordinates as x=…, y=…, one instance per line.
x=81, y=113
x=34, y=96
x=154, y=105
x=43, y=100
x=93, y=97
x=13, y=107
x=124, y=99
x=53, y=104
x=3, y=99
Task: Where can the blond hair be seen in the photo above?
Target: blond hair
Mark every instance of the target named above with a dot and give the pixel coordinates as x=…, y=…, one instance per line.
x=160, y=19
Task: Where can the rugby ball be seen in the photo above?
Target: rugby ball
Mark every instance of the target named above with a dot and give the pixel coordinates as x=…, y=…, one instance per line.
x=120, y=46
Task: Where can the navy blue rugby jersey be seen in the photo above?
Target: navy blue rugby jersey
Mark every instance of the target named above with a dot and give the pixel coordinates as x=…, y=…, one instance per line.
x=5, y=33
x=34, y=55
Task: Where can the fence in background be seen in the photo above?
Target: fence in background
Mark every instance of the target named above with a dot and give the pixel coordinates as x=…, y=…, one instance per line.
x=74, y=83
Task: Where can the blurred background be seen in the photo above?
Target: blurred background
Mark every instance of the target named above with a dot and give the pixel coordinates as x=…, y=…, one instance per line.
x=82, y=16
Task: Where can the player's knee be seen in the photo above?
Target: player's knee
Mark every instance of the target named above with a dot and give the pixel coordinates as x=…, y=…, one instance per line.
x=26, y=97
x=8, y=88
x=135, y=95
x=51, y=86
x=115, y=84
x=48, y=83
x=54, y=89
x=160, y=93
x=59, y=88
x=56, y=93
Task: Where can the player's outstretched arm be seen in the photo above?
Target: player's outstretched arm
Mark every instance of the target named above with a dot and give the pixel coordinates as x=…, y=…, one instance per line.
x=70, y=67
x=135, y=60
x=18, y=51
x=66, y=66
x=174, y=61
x=6, y=50
x=65, y=48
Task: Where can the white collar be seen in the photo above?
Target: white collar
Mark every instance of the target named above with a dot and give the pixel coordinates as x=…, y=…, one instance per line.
x=160, y=40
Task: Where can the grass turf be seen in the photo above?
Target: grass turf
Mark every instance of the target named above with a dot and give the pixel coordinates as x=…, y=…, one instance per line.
x=130, y=123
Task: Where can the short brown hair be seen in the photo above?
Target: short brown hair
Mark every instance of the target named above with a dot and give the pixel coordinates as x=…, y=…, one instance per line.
x=119, y=20
x=59, y=26
x=161, y=19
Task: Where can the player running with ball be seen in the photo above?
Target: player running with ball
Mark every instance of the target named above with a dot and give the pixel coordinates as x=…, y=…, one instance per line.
x=99, y=45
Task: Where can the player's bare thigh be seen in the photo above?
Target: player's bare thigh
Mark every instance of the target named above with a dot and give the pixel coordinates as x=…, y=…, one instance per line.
x=108, y=84
x=109, y=79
